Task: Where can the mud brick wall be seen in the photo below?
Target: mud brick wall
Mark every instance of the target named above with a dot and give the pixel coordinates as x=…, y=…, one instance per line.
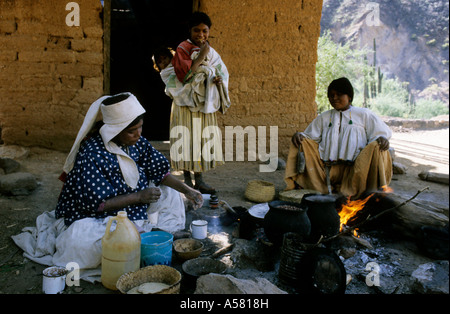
x=49, y=72
x=270, y=49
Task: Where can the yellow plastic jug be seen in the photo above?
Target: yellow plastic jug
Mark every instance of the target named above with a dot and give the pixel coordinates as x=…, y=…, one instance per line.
x=121, y=250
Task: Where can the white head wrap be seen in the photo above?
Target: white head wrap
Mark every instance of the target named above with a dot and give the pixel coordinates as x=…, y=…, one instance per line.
x=116, y=118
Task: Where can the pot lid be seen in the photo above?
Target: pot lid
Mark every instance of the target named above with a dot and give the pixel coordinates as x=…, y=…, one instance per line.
x=259, y=211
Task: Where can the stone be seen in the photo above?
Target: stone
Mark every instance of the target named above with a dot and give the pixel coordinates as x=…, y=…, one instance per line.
x=251, y=254
x=9, y=165
x=398, y=168
x=281, y=164
x=392, y=153
x=431, y=278
x=228, y=284
x=14, y=152
x=18, y=183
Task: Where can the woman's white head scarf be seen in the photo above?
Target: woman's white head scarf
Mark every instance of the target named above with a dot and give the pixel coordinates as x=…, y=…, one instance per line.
x=116, y=118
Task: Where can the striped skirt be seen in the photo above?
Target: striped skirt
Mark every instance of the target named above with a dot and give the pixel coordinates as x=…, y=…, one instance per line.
x=195, y=140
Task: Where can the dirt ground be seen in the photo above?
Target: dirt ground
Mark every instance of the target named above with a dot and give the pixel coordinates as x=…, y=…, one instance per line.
x=425, y=150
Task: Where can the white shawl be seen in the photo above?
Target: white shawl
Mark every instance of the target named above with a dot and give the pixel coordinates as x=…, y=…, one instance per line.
x=200, y=94
x=116, y=118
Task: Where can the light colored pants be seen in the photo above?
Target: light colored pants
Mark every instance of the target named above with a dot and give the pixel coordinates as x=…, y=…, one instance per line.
x=372, y=170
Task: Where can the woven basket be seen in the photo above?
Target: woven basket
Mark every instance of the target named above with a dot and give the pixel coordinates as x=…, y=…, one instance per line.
x=260, y=191
x=295, y=195
x=155, y=273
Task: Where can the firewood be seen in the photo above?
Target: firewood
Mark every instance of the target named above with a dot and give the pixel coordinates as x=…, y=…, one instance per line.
x=222, y=251
x=410, y=218
x=434, y=177
x=362, y=242
x=404, y=216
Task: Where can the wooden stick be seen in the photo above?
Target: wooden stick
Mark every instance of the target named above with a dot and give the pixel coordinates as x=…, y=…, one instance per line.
x=222, y=251
x=369, y=218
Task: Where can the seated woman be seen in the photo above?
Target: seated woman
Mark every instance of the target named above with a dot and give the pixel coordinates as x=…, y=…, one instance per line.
x=107, y=171
x=115, y=170
x=344, y=150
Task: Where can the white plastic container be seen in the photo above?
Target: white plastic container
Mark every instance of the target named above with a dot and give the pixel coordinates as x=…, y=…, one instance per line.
x=121, y=250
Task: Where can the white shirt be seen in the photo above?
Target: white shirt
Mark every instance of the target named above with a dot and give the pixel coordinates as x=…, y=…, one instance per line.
x=342, y=135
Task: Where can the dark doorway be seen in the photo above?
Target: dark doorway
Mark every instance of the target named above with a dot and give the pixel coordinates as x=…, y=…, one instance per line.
x=138, y=27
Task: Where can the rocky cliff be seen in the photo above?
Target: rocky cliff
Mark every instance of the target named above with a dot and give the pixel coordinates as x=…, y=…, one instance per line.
x=412, y=38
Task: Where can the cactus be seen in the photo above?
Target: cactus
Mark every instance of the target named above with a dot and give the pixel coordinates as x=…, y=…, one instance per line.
x=380, y=79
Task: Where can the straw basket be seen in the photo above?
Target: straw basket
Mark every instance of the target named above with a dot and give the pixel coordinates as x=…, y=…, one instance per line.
x=260, y=191
x=156, y=273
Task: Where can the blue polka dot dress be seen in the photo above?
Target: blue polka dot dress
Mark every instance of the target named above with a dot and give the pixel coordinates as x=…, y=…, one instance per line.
x=96, y=177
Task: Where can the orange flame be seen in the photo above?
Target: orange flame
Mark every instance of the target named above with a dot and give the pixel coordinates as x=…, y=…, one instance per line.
x=351, y=208
x=387, y=189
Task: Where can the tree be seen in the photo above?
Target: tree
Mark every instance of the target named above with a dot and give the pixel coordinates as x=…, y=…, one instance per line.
x=335, y=61
x=385, y=96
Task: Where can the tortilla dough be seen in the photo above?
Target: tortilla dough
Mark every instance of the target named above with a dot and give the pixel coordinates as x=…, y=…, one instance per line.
x=148, y=288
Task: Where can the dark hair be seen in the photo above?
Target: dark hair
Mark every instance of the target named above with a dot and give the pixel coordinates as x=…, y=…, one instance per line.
x=115, y=99
x=136, y=121
x=341, y=85
x=118, y=98
x=199, y=18
x=161, y=52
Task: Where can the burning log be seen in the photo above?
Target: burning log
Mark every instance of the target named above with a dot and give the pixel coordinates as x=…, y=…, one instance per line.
x=390, y=212
x=407, y=217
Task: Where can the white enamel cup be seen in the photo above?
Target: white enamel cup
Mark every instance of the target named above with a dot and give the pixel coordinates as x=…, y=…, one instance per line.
x=54, y=280
x=199, y=229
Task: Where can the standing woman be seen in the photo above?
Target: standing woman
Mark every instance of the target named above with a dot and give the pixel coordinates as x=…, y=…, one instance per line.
x=196, y=63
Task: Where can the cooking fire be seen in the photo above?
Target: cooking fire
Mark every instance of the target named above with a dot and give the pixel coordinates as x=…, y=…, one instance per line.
x=350, y=209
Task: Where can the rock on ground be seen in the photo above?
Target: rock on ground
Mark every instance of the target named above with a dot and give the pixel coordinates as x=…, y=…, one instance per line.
x=227, y=284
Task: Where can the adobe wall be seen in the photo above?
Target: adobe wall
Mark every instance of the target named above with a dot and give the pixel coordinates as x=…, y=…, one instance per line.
x=49, y=72
x=270, y=49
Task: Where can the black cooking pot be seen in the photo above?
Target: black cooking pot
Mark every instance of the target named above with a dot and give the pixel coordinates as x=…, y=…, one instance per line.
x=321, y=271
x=194, y=268
x=285, y=217
x=323, y=215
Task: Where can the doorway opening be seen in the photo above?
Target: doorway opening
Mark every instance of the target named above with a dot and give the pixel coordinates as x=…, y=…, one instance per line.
x=137, y=28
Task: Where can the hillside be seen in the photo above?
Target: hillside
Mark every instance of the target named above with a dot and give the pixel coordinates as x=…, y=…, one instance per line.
x=411, y=36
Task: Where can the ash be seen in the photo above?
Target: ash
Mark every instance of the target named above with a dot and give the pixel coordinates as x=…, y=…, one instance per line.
x=376, y=263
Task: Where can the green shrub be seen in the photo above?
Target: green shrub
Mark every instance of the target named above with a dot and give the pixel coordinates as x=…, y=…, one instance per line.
x=428, y=108
x=336, y=60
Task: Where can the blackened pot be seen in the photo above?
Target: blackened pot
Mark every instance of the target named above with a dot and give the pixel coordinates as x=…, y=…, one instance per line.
x=321, y=271
x=284, y=217
x=323, y=215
